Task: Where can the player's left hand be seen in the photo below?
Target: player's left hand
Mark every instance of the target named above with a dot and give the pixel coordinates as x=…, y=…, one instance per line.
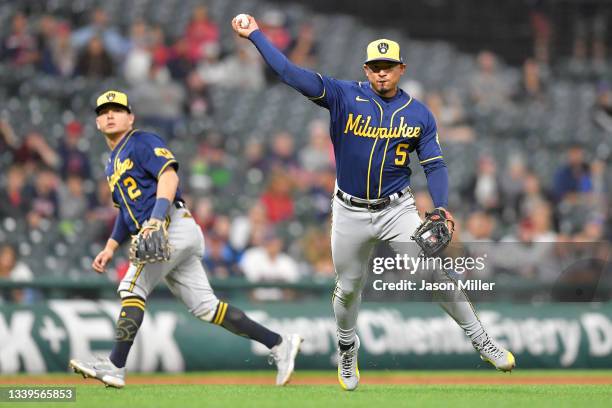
x=435, y=232
x=151, y=244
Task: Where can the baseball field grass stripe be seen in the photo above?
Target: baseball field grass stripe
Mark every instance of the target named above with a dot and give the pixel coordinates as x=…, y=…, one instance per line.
x=136, y=275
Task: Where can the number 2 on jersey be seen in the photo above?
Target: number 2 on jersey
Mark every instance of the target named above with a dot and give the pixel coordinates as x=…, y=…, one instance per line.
x=401, y=154
x=132, y=188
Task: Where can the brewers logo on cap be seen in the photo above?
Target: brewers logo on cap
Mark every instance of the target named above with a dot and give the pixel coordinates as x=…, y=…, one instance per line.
x=112, y=98
x=383, y=50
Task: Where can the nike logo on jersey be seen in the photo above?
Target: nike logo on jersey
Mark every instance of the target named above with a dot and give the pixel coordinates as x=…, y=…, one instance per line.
x=359, y=99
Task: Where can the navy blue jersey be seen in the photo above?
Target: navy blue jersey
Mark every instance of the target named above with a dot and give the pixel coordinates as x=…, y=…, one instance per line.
x=373, y=136
x=132, y=171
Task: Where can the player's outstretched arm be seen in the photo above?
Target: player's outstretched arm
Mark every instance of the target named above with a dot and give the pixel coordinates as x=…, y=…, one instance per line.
x=304, y=81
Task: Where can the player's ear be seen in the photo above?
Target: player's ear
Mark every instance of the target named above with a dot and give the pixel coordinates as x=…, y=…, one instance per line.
x=402, y=69
x=131, y=118
x=97, y=124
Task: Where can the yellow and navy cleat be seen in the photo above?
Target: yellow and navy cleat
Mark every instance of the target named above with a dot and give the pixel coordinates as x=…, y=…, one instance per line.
x=493, y=353
x=348, y=368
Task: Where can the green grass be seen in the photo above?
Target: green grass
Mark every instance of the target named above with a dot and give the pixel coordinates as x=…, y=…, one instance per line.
x=93, y=394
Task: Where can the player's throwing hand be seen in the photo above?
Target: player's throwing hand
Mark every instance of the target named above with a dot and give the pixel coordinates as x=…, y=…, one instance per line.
x=244, y=25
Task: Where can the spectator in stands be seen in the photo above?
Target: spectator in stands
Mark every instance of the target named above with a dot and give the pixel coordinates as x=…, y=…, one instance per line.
x=267, y=263
x=204, y=214
x=94, y=61
x=532, y=86
x=219, y=260
x=139, y=59
x=212, y=168
x=35, y=152
x=490, y=90
x=19, y=48
x=542, y=30
x=201, y=32
x=8, y=139
x=323, y=187
x=274, y=26
x=160, y=101
x=541, y=221
x=254, y=154
x=199, y=100
x=43, y=198
x=452, y=123
x=12, y=269
x=304, y=48
x=512, y=186
x=573, y=177
x=532, y=194
x=590, y=28
x=73, y=159
x=161, y=53
x=12, y=200
x=282, y=154
x=602, y=112
x=480, y=227
x=73, y=200
x=243, y=69
x=316, y=248
x=318, y=154
x=101, y=212
x=484, y=189
x=111, y=38
x=58, y=57
x=247, y=231
x=278, y=197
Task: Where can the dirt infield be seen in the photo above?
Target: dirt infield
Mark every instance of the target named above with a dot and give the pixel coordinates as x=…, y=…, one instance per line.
x=309, y=379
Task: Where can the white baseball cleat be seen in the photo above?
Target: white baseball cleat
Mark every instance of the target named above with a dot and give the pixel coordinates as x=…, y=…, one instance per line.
x=283, y=355
x=348, y=369
x=103, y=370
x=499, y=357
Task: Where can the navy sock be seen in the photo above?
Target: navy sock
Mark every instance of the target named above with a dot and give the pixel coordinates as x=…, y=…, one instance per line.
x=234, y=320
x=130, y=319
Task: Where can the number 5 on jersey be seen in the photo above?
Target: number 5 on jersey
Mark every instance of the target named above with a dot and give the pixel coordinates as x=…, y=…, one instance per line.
x=132, y=188
x=401, y=154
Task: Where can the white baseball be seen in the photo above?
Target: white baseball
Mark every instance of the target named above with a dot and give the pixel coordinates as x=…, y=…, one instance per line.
x=242, y=20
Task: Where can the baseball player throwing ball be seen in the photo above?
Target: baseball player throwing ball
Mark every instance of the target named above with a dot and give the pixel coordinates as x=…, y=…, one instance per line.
x=374, y=126
x=167, y=244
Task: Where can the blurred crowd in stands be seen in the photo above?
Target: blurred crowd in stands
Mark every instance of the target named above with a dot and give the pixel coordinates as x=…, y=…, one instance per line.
x=283, y=234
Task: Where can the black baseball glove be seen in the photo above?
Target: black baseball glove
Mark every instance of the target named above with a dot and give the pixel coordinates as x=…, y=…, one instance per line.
x=151, y=244
x=436, y=232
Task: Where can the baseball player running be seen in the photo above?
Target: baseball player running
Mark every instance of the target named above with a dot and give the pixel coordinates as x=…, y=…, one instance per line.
x=168, y=244
x=374, y=126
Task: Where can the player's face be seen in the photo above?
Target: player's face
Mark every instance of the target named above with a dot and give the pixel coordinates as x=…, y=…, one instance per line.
x=384, y=76
x=114, y=120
